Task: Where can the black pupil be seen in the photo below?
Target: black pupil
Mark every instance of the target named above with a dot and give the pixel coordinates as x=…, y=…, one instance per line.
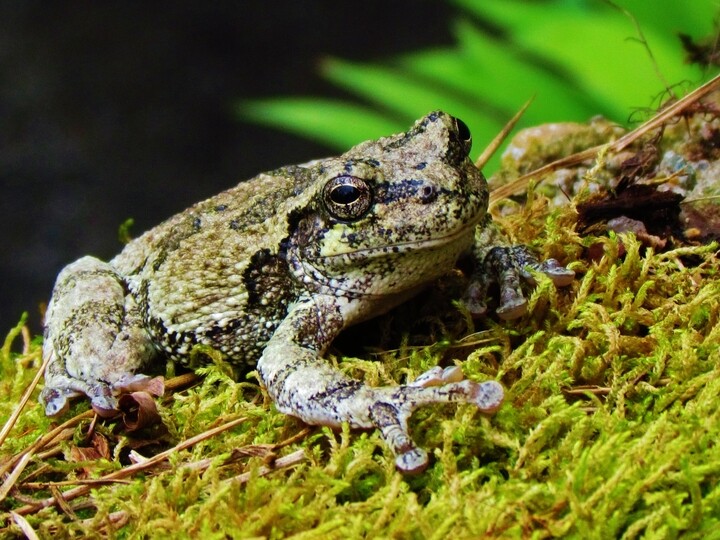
x=463, y=130
x=345, y=194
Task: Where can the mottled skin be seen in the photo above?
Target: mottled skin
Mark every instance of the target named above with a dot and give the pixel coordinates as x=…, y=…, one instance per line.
x=270, y=271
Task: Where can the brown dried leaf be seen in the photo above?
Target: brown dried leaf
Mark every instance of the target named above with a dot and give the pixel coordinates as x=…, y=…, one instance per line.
x=100, y=443
x=84, y=453
x=639, y=165
x=156, y=386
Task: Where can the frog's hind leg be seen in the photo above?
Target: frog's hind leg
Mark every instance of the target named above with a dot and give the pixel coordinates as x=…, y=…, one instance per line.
x=94, y=337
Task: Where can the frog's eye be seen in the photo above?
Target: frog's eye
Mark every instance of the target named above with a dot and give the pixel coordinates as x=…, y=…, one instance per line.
x=463, y=133
x=347, y=197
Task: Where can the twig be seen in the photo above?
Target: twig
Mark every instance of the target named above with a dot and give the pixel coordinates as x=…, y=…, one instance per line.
x=62, y=503
x=281, y=463
x=253, y=450
x=180, y=381
x=25, y=527
x=78, y=481
x=41, y=442
x=79, y=491
x=56, y=448
x=582, y=390
x=13, y=477
x=491, y=148
x=118, y=519
x=27, y=499
x=115, y=520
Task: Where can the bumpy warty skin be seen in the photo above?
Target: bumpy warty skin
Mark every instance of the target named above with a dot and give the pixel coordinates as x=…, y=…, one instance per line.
x=270, y=271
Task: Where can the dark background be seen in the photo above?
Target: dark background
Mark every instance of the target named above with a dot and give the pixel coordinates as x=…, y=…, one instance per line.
x=111, y=110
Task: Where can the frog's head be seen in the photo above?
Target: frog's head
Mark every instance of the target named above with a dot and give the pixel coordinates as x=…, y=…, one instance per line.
x=392, y=214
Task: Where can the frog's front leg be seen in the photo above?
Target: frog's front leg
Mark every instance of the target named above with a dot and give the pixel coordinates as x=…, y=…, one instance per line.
x=303, y=384
x=497, y=261
x=95, y=340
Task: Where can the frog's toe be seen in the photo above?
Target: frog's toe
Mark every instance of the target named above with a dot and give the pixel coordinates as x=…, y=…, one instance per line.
x=137, y=382
x=392, y=423
x=512, y=309
x=438, y=376
x=432, y=377
x=560, y=276
x=413, y=461
x=509, y=266
x=488, y=395
x=105, y=408
x=474, y=298
x=512, y=300
x=102, y=400
x=56, y=401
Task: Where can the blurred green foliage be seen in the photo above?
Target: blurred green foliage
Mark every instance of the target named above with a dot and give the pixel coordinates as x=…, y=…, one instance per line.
x=578, y=58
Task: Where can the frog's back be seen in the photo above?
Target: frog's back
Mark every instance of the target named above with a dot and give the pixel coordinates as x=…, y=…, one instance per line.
x=215, y=271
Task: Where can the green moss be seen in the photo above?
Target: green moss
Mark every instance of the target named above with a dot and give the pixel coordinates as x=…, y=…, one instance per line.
x=609, y=429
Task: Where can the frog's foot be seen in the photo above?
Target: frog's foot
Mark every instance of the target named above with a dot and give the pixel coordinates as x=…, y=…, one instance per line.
x=102, y=395
x=393, y=407
x=56, y=397
x=507, y=265
x=304, y=385
x=102, y=400
x=94, y=333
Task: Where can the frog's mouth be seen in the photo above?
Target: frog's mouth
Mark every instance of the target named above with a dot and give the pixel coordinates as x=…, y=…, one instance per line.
x=427, y=244
x=387, y=270
x=338, y=249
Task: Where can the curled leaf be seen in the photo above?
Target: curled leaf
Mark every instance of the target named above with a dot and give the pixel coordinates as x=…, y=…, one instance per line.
x=138, y=410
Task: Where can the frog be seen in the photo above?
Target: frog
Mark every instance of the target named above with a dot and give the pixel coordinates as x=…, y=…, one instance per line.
x=270, y=271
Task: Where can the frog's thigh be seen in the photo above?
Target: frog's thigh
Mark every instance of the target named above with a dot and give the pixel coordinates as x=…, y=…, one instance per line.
x=93, y=336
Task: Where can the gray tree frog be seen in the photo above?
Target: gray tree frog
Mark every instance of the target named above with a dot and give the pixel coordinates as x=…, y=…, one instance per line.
x=270, y=271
